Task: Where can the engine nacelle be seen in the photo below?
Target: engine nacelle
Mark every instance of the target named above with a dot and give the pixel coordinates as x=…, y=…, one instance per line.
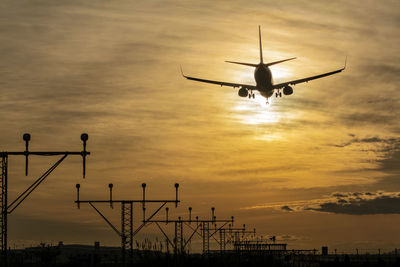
x=288, y=90
x=243, y=92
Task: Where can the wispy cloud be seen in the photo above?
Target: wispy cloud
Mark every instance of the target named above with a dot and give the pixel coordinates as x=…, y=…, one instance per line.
x=367, y=140
x=351, y=203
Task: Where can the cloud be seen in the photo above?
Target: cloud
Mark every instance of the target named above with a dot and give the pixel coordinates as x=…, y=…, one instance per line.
x=361, y=203
x=369, y=140
x=350, y=203
x=391, y=163
x=286, y=208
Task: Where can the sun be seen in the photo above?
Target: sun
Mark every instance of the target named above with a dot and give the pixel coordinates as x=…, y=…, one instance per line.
x=256, y=111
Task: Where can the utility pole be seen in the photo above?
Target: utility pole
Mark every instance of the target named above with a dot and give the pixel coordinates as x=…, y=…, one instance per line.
x=127, y=231
x=6, y=208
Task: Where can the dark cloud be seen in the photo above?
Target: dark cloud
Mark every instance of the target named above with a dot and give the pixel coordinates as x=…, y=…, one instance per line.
x=363, y=204
x=374, y=139
x=391, y=163
x=338, y=195
x=286, y=208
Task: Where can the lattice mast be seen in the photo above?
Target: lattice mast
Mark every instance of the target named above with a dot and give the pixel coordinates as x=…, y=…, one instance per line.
x=127, y=231
x=6, y=208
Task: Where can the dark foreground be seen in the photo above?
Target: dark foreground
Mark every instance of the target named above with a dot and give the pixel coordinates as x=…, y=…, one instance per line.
x=217, y=259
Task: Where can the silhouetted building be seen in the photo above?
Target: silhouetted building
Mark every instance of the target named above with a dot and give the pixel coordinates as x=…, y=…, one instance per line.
x=259, y=247
x=82, y=254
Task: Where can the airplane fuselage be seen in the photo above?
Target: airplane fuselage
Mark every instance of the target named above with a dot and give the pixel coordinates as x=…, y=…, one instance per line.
x=264, y=81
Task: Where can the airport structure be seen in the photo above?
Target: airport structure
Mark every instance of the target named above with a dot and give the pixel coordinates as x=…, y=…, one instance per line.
x=244, y=246
x=127, y=231
x=202, y=227
x=6, y=208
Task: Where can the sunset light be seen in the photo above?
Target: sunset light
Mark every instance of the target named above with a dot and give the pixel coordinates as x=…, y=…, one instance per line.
x=312, y=158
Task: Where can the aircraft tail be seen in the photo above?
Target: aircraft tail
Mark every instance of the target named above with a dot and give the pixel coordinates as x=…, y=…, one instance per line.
x=261, y=54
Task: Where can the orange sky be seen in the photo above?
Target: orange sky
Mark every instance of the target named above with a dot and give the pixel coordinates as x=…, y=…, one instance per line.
x=112, y=70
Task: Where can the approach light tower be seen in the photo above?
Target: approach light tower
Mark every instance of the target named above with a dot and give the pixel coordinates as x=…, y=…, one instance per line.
x=127, y=231
x=202, y=229
x=9, y=208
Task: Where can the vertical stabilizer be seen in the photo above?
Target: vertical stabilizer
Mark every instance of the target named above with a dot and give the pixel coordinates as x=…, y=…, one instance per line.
x=261, y=55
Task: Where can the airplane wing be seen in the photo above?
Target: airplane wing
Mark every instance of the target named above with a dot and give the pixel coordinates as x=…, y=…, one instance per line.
x=294, y=82
x=234, y=85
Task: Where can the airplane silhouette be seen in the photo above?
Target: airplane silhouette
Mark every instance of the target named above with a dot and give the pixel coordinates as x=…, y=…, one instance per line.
x=263, y=78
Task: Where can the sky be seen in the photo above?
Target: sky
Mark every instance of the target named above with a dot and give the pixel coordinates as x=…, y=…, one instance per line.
x=319, y=167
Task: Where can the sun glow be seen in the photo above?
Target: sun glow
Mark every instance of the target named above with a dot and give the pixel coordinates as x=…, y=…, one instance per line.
x=280, y=73
x=256, y=111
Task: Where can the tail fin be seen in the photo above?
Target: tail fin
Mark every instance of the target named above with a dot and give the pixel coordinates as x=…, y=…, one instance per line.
x=261, y=55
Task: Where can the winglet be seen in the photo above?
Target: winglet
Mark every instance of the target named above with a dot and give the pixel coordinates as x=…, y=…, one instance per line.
x=345, y=63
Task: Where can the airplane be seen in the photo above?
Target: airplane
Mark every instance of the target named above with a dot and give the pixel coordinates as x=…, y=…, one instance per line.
x=263, y=78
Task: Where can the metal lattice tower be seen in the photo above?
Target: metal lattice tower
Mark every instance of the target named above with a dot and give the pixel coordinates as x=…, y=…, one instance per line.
x=179, y=246
x=3, y=222
x=233, y=235
x=127, y=228
x=7, y=208
x=222, y=239
x=205, y=232
x=179, y=243
x=127, y=232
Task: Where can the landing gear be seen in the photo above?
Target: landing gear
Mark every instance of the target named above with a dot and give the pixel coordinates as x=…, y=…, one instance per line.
x=278, y=94
x=252, y=95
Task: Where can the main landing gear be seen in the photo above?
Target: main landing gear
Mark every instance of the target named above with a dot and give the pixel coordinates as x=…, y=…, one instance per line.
x=278, y=94
x=252, y=95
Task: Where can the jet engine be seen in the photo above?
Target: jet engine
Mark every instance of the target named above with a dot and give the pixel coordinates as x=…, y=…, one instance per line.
x=287, y=90
x=243, y=92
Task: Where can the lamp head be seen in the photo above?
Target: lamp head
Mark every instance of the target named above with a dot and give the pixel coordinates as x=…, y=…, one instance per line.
x=26, y=137
x=84, y=137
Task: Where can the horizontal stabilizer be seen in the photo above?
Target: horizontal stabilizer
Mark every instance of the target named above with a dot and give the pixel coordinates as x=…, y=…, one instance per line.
x=241, y=63
x=277, y=62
